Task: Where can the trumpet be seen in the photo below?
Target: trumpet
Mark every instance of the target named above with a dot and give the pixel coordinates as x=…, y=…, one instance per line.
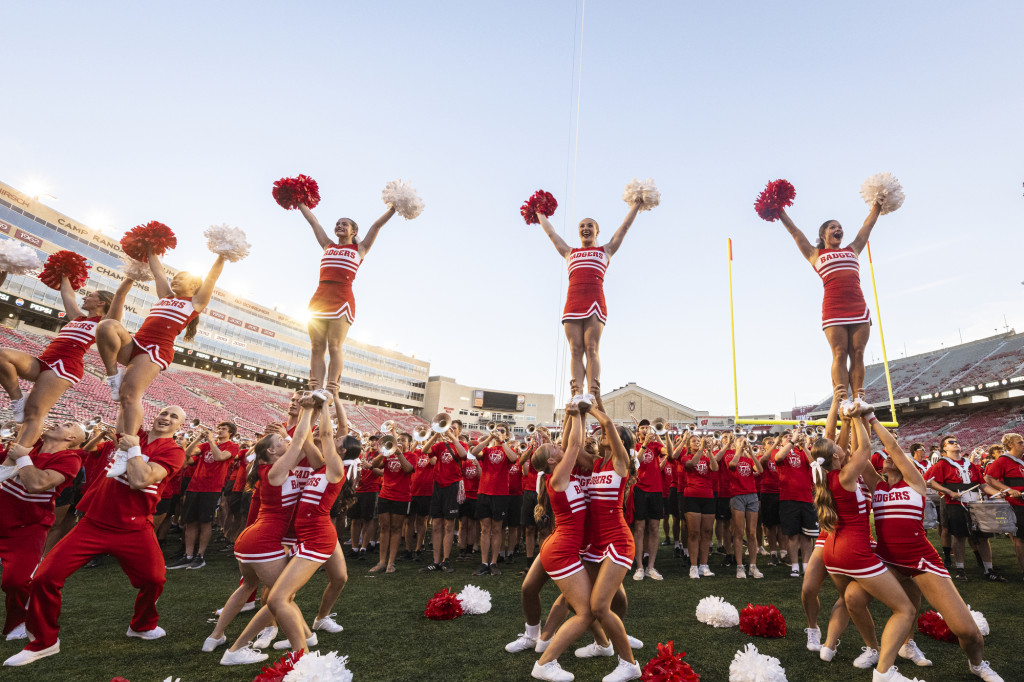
x=530, y=428
x=421, y=433
x=441, y=423
x=97, y=421
x=751, y=437
x=8, y=430
x=491, y=426
x=387, y=445
x=811, y=431
x=523, y=446
x=820, y=430
x=659, y=426
x=737, y=430
x=802, y=423
x=388, y=426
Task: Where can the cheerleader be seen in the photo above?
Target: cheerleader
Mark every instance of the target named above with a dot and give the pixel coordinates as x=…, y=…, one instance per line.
x=585, y=311
x=610, y=554
x=61, y=365
x=842, y=511
x=846, y=319
x=151, y=349
x=560, y=553
x=333, y=307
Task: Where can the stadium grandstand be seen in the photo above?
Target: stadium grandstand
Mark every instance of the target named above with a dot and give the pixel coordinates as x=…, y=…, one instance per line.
x=974, y=389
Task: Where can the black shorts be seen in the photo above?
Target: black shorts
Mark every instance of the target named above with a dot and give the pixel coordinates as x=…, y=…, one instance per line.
x=468, y=508
x=444, y=503
x=493, y=507
x=769, y=509
x=420, y=505
x=234, y=500
x=672, y=503
x=798, y=518
x=647, y=506
x=392, y=507
x=163, y=506
x=66, y=497
x=526, y=519
x=723, y=512
x=514, y=517
x=1018, y=512
x=200, y=507
x=365, y=508
x=681, y=505
x=699, y=505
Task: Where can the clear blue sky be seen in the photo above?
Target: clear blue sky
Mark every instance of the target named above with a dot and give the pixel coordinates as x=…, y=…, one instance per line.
x=187, y=113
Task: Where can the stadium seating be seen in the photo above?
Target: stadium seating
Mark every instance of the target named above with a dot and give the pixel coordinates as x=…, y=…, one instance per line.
x=974, y=426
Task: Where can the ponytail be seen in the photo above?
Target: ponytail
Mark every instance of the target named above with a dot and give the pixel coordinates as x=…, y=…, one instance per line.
x=824, y=502
x=252, y=476
x=191, y=329
x=542, y=513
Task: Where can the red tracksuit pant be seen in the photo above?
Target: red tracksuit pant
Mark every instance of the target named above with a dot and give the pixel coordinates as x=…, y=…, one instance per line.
x=20, y=550
x=139, y=555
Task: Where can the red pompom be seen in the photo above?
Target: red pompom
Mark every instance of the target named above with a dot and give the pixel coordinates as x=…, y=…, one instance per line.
x=120, y=679
x=444, y=605
x=777, y=195
x=668, y=666
x=541, y=202
x=763, y=620
x=277, y=672
x=934, y=625
x=153, y=234
x=302, y=189
x=68, y=264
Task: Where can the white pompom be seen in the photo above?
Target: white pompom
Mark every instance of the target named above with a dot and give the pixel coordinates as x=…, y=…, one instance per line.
x=17, y=259
x=751, y=666
x=136, y=270
x=474, y=600
x=717, y=612
x=403, y=198
x=884, y=189
x=982, y=622
x=227, y=241
x=317, y=667
x=643, y=192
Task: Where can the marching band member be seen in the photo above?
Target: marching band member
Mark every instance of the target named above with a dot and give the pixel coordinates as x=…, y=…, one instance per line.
x=117, y=520
x=394, y=499
x=1006, y=473
x=701, y=470
x=648, y=503
x=585, y=311
x=846, y=319
x=151, y=349
x=492, y=497
x=333, y=306
x=449, y=454
x=61, y=365
x=743, y=467
x=27, y=512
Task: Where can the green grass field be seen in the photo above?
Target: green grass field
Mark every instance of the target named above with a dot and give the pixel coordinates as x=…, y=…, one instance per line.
x=387, y=637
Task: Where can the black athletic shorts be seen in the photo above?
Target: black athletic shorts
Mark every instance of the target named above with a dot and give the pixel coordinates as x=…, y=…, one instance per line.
x=200, y=507
x=234, y=500
x=723, y=512
x=769, y=509
x=514, y=517
x=699, y=505
x=420, y=505
x=1018, y=512
x=66, y=497
x=672, y=503
x=392, y=507
x=647, y=506
x=365, y=508
x=681, y=504
x=493, y=507
x=526, y=519
x=444, y=503
x=163, y=506
x=798, y=518
x=468, y=508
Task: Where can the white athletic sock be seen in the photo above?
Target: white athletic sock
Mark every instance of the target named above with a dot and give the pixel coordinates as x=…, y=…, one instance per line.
x=533, y=631
x=959, y=564
x=987, y=565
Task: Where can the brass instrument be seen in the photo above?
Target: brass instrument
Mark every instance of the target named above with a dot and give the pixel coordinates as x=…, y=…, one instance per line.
x=523, y=446
x=441, y=423
x=8, y=430
x=387, y=445
x=530, y=428
x=491, y=426
x=820, y=430
x=659, y=426
x=389, y=426
x=421, y=433
x=737, y=431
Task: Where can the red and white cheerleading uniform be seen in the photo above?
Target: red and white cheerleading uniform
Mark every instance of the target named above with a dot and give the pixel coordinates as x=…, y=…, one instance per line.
x=899, y=525
x=317, y=537
x=333, y=298
x=844, y=302
x=848, y=548
x=261, y=541
x=25, y=518
x=117, y=521
x=585, y=296
x=166, y=319
x=560, y=553
x=66, y=353
x=609, y=534
x=302, y=472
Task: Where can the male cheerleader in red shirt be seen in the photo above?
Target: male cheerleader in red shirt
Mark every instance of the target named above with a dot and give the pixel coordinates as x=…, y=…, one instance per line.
x=117, y=520
x=26, y=512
